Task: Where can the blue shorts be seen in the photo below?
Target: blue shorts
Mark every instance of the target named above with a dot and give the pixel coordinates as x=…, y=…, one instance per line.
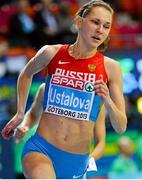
x=66, y=165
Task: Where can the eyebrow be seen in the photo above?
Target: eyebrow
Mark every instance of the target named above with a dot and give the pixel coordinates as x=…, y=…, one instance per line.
x=109, y=23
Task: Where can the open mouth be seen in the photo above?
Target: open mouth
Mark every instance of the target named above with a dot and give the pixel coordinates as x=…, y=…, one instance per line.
x=96, y=38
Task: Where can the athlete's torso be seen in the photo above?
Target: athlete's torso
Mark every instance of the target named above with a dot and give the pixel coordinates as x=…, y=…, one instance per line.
x=70, y=101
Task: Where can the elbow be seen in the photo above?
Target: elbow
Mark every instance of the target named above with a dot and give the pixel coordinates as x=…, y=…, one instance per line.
x=122, y=128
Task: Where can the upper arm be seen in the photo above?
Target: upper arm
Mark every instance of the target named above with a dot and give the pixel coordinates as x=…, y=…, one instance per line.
x=100, y=128
x=37, y=106
x=40, y=60
x=115, y=83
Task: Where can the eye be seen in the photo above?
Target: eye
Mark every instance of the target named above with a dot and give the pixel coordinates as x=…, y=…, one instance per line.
x=95, y=22
x=106, y=27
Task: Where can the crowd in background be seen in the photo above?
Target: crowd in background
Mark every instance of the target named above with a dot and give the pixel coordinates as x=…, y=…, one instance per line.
x=27, y=25
x=39, y=22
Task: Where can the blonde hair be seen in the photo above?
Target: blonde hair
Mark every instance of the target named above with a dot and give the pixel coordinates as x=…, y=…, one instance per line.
x=86, y=9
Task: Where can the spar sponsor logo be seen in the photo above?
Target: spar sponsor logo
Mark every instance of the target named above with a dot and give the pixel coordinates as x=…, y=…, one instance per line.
x=71, y=94
x=72, y=79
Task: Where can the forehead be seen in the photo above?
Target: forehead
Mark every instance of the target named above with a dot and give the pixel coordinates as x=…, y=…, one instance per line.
x=101, y=13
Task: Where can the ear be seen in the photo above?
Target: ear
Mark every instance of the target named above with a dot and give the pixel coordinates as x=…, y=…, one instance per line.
x=78, y=22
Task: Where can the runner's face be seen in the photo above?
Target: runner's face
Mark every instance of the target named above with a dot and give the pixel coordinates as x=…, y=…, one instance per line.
x=95, y=27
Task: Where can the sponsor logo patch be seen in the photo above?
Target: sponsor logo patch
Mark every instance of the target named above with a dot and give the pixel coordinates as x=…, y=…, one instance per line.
x=71, y=94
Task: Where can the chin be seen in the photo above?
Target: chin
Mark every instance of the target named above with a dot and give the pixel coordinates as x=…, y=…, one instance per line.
x=94, y=45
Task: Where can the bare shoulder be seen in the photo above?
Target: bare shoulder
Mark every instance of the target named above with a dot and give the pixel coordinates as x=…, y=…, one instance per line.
x=52, y=48
x=49, y=50
x=41, y=59
x=112, y=67
x=111, y=62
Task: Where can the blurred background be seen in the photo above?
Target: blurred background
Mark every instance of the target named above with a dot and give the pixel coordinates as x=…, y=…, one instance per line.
x=27, y=25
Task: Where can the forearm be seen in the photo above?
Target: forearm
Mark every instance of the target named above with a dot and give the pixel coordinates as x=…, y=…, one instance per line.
x=98, y=151
x=29, y=120
x=23, y=86
x=117, y=117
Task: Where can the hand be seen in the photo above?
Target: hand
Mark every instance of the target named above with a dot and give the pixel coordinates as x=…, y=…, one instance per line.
x=20, y=132
x=101, y=88
x=8, y=130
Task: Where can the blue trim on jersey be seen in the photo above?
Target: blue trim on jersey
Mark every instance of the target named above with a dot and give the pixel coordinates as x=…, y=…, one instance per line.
x=95, y=108
x=46, y=92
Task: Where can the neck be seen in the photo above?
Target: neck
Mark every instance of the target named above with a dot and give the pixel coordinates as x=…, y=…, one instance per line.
x=78, y=51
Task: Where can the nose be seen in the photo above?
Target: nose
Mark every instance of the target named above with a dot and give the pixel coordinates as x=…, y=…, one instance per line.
x=100, y=29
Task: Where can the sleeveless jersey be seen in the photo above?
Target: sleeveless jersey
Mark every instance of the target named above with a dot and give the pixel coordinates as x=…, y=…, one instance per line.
x=69, y=90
